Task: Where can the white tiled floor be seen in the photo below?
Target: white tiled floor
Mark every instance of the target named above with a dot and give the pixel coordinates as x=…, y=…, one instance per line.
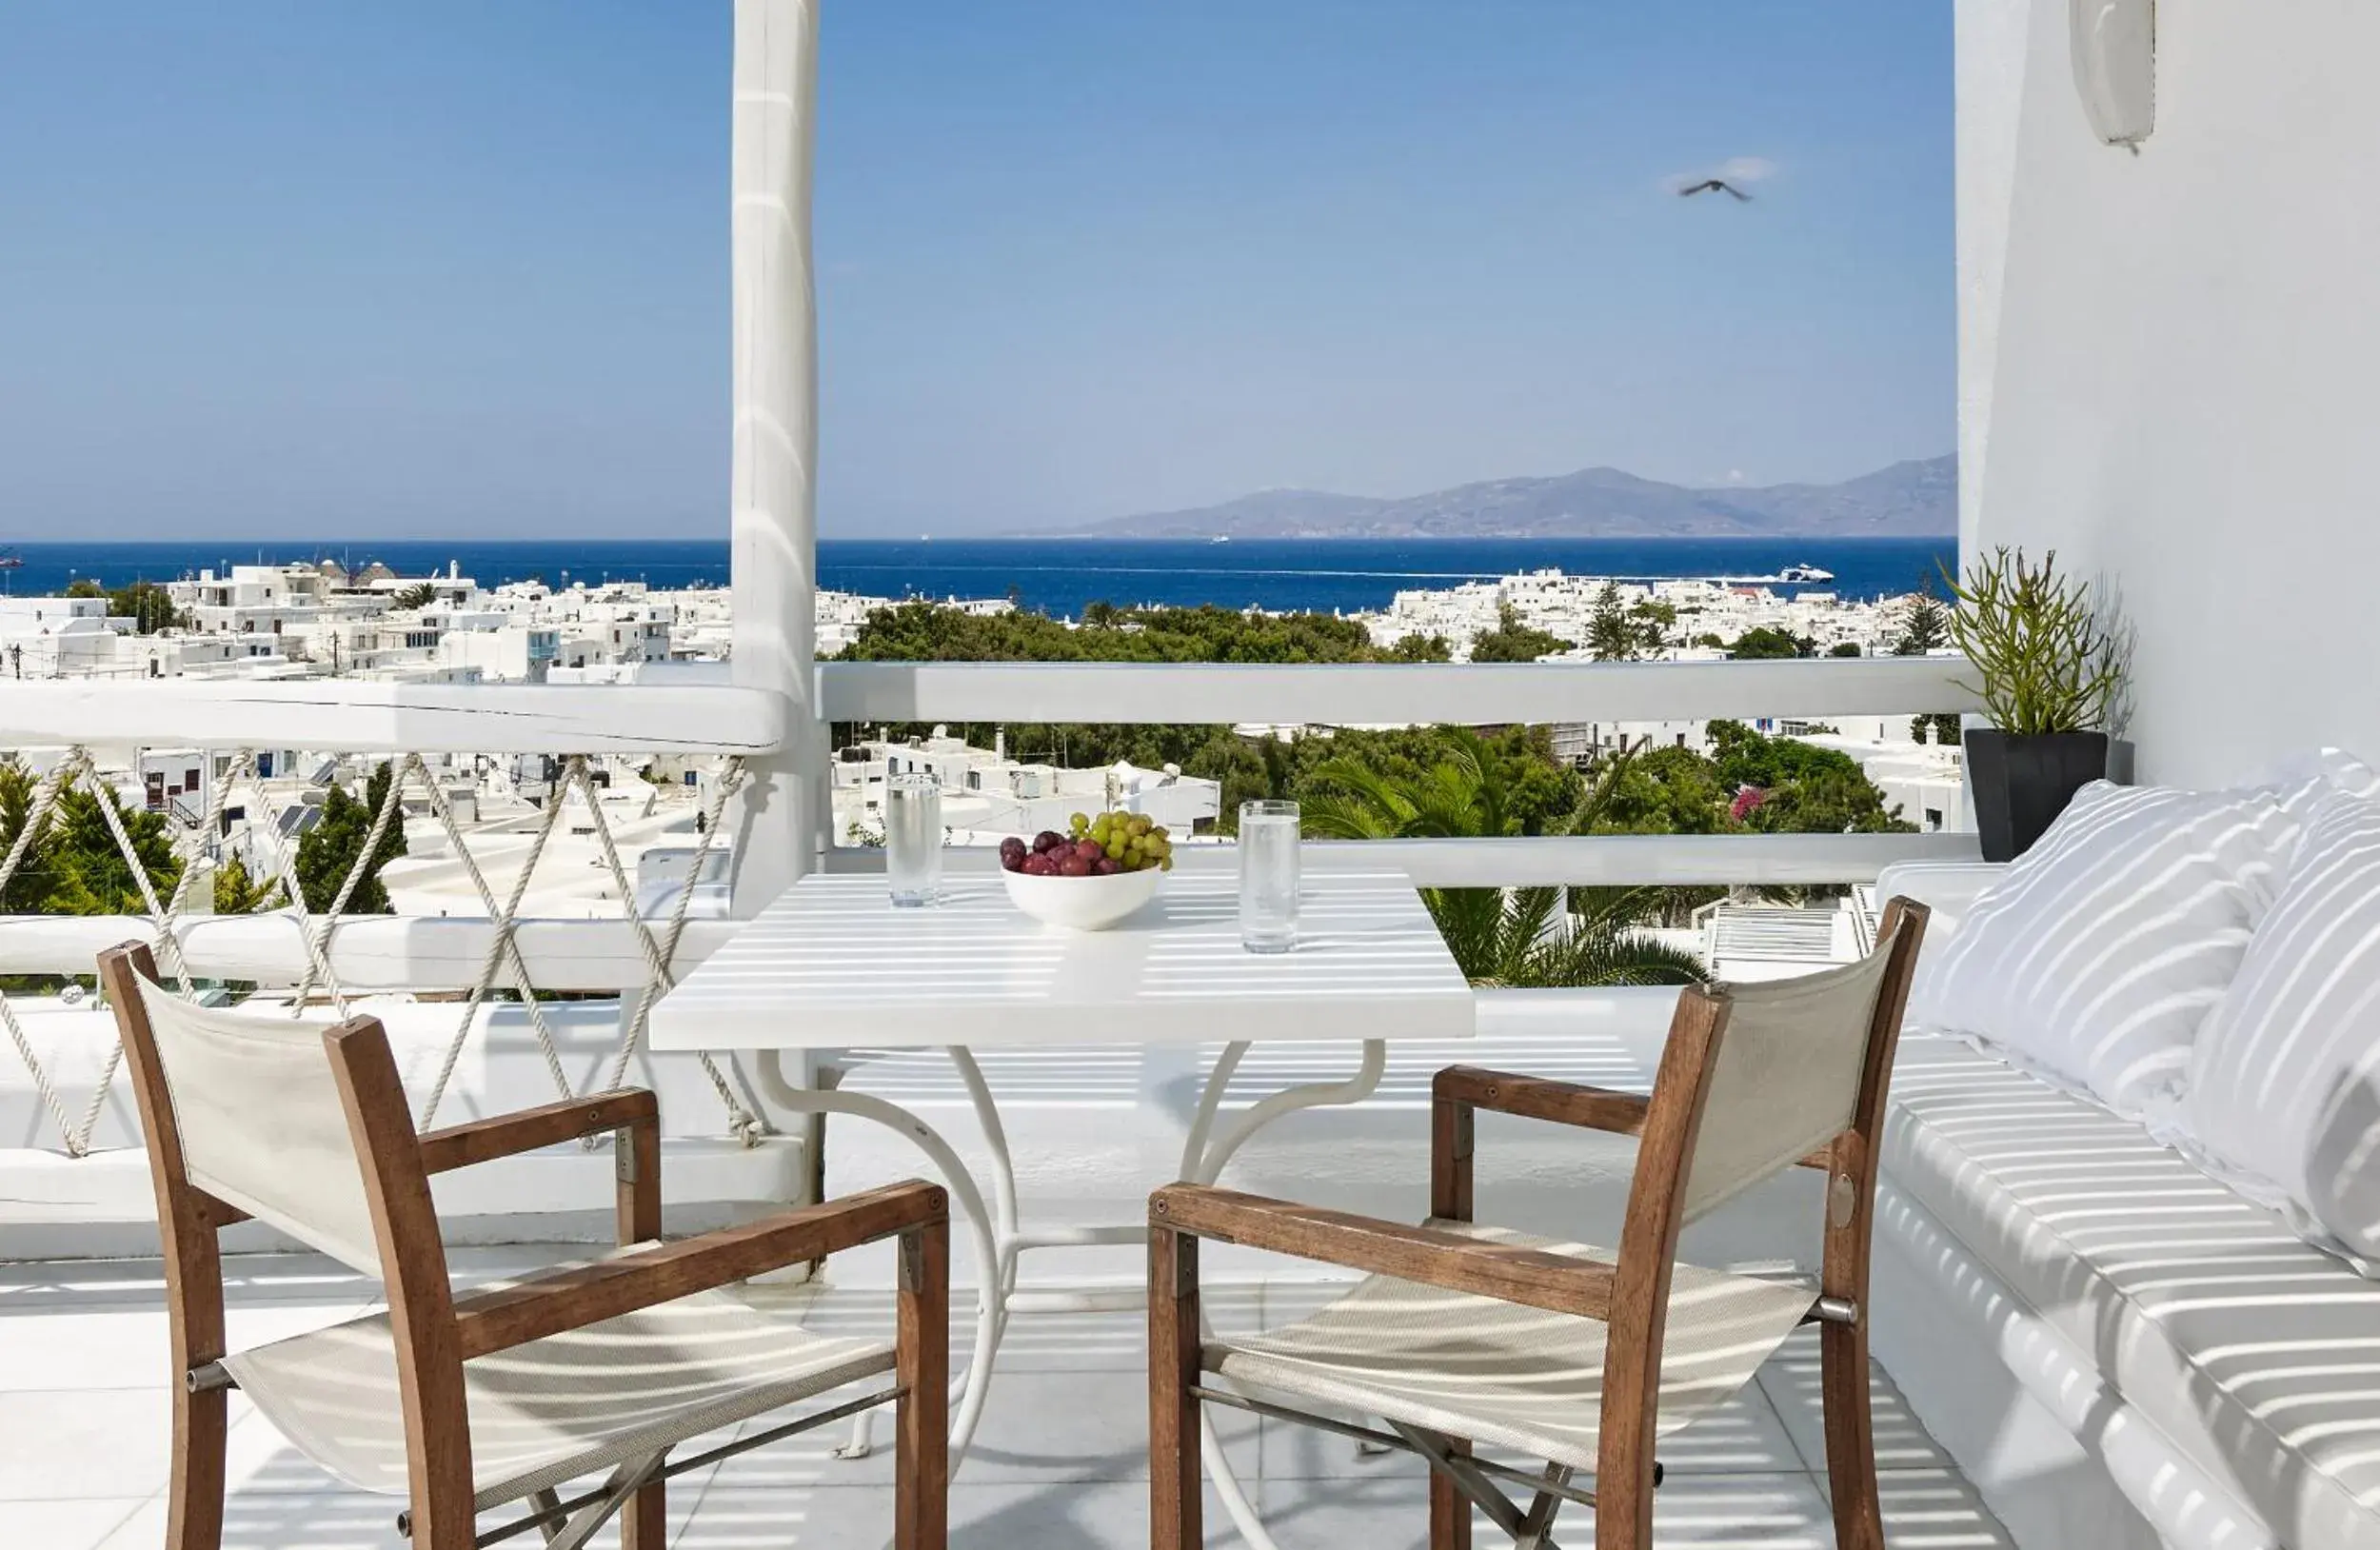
x=1060, y=1464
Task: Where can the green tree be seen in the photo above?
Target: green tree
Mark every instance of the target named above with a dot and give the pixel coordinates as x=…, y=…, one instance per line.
x=419, y=596
x=328, y=851
x=1520, y=937
x=1925, y=623
x=1926, y=627
x=1663, y=791
x=1655, y=620
x=1845, y=648
x=1421, y=649
x=1612, y=635
x=1806, y=790
x=1939, y=727
x=148, y=605
x=238, y=891
x=1513, y=641
x=1765, y=643
x=75, y=865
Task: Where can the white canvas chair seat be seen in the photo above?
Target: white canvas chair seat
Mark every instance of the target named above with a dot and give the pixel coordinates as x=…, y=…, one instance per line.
x=1506, y=1375
x=557, y=1408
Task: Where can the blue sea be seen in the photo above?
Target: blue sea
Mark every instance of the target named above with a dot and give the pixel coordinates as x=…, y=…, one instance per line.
x=1057, y=576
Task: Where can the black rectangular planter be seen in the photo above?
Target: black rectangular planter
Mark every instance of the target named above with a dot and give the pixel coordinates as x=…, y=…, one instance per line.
x=2021, y=784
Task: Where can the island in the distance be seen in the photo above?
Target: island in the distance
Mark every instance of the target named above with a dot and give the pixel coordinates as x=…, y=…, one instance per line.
x=1908, y=499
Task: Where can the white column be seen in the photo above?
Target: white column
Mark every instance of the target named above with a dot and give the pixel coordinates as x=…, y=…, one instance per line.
x=781, y=818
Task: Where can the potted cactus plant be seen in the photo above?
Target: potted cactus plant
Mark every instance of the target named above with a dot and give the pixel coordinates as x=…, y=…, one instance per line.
x=2041, y=650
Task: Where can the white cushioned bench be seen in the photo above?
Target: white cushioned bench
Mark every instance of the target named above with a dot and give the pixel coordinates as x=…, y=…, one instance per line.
x=2205, y=1326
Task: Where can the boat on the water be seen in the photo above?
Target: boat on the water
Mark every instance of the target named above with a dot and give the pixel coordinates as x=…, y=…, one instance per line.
x=1804, y=574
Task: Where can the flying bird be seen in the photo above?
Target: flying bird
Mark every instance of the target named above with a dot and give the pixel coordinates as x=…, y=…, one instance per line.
x=1714, y=186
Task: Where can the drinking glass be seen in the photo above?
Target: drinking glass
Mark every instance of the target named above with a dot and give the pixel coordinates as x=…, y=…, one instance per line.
x=913, y=839
x=1268, y=876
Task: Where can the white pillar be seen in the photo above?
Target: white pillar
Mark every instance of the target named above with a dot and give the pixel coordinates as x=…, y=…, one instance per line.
x=781, y=818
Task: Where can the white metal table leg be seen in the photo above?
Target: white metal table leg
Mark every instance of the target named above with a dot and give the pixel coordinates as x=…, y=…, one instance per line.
x=990, y=1311
x=1000, y=1238
x=1203, y=1163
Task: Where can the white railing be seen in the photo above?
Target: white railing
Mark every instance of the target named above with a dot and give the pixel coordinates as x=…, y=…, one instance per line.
x=339, y=716
x=502, y=952
x=1473, y=694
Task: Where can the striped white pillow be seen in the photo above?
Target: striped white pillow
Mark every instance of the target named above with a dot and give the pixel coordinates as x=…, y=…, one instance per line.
x=2094, y=962
x=2284, y=1098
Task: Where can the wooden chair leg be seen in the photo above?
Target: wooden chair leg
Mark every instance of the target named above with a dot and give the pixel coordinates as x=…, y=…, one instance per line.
x=1176, y=1489
x=1451, y=1200
x=1450, y=1512
x=1850, y=1435
x=922, y=1414
x=644, y=1521
x=195, y=1512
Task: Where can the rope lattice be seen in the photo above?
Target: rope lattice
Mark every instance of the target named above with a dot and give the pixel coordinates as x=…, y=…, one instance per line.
x=504, y=960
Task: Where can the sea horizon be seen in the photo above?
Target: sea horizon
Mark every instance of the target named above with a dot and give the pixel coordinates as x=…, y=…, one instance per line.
x=1338, y=575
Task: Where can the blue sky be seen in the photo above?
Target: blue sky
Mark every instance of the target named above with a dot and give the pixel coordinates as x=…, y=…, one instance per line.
x=282, y=268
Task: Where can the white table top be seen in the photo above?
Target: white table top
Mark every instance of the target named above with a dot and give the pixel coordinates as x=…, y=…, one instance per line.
x=832, y=966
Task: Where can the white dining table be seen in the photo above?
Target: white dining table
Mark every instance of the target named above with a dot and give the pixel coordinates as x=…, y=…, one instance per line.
x=832, y=965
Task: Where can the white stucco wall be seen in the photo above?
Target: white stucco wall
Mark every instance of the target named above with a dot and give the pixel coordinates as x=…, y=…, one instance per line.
x=2171, y=362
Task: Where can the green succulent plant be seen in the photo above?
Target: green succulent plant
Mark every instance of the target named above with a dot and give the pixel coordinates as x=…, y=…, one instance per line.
x=2037, y=642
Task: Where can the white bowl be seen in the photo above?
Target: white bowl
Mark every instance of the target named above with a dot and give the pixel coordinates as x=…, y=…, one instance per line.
x=1082, y=903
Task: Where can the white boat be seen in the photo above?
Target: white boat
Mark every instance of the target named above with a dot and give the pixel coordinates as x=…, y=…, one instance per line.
x=1804, y=574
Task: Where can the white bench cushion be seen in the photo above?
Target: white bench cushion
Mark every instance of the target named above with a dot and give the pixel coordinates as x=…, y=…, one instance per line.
x=2282, y=1101
x=2098, y=955
x=2258, y=1356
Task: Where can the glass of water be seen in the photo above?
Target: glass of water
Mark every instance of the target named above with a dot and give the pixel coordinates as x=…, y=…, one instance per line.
x=913, y=838
x=1268, y=876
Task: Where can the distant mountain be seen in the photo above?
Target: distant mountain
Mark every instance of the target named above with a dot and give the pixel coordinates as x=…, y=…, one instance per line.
x=1908, y=499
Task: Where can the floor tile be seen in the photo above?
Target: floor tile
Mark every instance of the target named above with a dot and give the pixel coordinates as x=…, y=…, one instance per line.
x=1036, y=1426
x=94, y=1443
x=1112, y=1516
x=1716, y=1512
x=1115, y=1341
x=1935, y=1509
x=1792, y=1384
x=125, y=1346
x=1060, y=1464
x=79, y=1524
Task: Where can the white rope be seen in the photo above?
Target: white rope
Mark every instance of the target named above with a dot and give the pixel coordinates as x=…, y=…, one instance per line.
x=36, y=817
x=320, y=955
x=283, y=859
x=77, y=768
x=660, y=955
x=316, y=933
x=505, y=949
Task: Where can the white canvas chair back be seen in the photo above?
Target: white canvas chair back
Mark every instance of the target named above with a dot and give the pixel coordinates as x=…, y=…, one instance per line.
x=261, y=1121
x=1787, y=1078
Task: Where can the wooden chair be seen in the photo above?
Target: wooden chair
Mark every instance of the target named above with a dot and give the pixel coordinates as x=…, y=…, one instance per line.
x=508, y=1395
x=1467, y=1336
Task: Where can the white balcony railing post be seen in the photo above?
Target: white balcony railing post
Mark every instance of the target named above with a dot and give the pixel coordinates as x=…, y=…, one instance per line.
x=780, y=817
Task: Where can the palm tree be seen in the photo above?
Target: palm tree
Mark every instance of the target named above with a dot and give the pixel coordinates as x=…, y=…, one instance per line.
x=1508, y=936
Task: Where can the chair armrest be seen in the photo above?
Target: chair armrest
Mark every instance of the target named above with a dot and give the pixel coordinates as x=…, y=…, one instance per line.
x=1536, y=1097
x=507, y=1135
x=1564, y=1103
x=1429, y=1255
x=587, y=1294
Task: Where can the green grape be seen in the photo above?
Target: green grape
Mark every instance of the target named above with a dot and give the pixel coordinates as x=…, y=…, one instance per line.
x=1079, y=823
x=1166, y=864
x=1114, y=851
